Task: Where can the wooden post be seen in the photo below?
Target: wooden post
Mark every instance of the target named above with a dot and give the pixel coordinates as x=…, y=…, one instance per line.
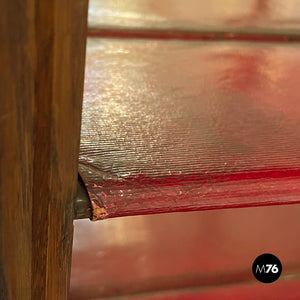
x=16, y=147
x=42, y=53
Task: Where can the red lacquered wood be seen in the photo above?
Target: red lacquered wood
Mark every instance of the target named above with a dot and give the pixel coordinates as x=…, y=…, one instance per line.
x=182, y=19
x=288, y=290
x=177, y=126
x=233, y=35
x=167, y=252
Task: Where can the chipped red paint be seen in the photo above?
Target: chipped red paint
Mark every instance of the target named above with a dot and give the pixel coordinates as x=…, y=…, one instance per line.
x=145, y=195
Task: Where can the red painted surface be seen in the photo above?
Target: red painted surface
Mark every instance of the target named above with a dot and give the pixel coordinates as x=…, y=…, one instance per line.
x=211, y=251
x=182, y=126
x=288, y=290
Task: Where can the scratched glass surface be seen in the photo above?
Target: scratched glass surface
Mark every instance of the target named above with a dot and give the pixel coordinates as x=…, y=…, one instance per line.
x=194, y=14
x=176, y=126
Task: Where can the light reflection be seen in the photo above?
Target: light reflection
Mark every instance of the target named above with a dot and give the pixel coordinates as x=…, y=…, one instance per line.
x=177, y=247
x=194, y=14
x=111, y=233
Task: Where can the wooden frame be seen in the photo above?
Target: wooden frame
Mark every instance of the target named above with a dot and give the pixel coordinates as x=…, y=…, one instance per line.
x=42, y=53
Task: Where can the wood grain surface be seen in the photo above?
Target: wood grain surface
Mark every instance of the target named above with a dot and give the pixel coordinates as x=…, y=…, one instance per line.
x=180, y=126
x=61, y=35
x=17, y=56
x=42, y=68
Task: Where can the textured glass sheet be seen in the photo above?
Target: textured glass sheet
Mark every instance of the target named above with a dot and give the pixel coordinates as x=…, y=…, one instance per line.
x=177, y=126
x=246, y=15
